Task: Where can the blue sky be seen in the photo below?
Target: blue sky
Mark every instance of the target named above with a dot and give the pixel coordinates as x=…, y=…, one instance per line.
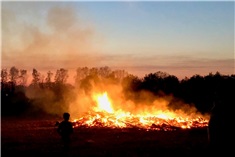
x=181, y=38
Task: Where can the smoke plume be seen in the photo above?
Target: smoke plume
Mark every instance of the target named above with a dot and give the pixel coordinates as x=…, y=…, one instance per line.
x=36, y=36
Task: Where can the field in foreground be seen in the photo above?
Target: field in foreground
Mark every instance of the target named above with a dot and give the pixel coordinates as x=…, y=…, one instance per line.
x=38, y=138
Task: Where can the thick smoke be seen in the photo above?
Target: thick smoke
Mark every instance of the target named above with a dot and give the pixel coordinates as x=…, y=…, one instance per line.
x=140, y=103
x=56, y=36
x=55, y=98
x=46, y=37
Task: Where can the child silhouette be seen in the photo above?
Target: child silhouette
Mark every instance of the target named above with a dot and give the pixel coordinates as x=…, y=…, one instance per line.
x=65, y=129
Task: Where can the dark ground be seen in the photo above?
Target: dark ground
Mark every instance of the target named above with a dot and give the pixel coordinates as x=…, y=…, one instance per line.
x=38, y=138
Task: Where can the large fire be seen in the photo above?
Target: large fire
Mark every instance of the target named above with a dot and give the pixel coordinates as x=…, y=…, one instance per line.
x=104, y=115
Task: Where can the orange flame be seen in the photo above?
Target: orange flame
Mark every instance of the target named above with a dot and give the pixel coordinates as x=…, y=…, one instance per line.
x=104, y=115
x=103, y=103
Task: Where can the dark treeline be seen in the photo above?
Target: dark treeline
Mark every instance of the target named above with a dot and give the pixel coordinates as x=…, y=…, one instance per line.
x=19, y=98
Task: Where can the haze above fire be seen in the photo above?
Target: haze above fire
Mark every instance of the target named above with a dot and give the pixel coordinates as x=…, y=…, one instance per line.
x=180, y=38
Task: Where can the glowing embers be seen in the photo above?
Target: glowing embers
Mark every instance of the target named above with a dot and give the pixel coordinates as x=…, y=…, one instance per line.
x=104, y=115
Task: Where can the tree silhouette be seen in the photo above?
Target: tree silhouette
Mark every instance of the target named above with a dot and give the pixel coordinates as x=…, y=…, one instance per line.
x=61, y=76
x=119, y=74
x=157, y=83
x=81, y=73
x=104, y=71
x=37, y=77
x=23, y=77
x=199, y=91
x=14, y=74
x=4, y=76
x=132, y=85
x=48, y=79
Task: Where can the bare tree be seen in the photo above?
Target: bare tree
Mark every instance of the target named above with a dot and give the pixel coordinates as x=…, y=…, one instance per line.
x=14, y=74
x=81, y=73
x=61, y=76
x=93, y=71
x=36, y=77
x=49, y=77
x=120, y=74
x=104, y=71
x=23, y=77
x=4, y=76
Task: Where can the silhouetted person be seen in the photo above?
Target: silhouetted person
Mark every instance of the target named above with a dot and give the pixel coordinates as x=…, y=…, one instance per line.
x=65, y=129
x=217, y=129
x=220, y=132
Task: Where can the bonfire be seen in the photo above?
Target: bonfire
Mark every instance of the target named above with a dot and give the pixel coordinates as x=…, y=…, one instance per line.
x=103, y=114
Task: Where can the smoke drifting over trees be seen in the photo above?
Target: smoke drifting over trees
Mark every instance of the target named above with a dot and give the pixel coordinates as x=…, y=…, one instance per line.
x=156, y=91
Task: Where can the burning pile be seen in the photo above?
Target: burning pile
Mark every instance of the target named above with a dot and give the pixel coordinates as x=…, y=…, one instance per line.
x=103, y=115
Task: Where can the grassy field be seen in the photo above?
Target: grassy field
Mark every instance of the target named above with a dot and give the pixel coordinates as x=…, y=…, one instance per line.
x=38, y=138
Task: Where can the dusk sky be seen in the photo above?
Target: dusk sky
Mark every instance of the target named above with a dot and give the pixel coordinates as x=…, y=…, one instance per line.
x=181, y=38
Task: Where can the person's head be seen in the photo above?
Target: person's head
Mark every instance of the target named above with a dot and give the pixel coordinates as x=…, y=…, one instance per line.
x=66, y=116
